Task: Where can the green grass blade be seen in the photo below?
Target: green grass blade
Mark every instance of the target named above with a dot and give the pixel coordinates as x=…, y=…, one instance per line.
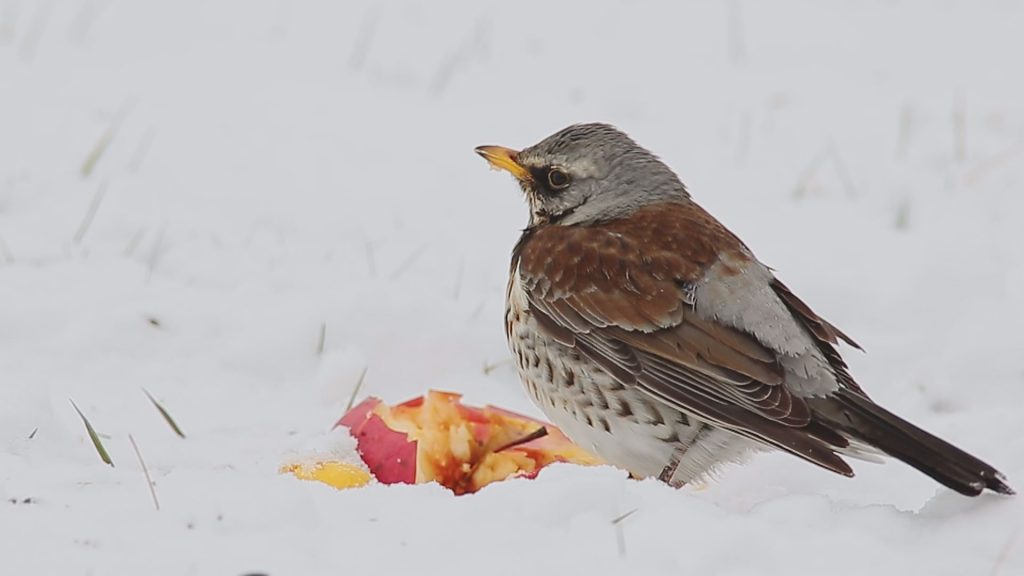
x=355, y=391
x=93, y=436
x=167, y=416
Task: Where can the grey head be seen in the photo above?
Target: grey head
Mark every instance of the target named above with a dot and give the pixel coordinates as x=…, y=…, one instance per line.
x=587, y=173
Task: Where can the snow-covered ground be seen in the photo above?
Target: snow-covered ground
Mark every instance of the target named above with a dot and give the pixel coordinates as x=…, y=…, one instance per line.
x=192, y=192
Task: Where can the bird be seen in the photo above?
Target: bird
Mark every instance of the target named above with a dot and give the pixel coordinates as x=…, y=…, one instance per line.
x=651, y=335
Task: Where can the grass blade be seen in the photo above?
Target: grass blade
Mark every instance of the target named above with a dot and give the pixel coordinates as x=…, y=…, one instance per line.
x=618, y=519
x=321, y=339
x=167, y=416
x=97, y=152
x=93, y=436
x=355, y=391
x=145, y=472
x=90, y=213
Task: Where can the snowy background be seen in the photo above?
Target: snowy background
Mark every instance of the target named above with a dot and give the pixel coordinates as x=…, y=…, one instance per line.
x=240, y=206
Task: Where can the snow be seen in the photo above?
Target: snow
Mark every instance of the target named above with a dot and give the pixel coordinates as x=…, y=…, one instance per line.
x=259, y=170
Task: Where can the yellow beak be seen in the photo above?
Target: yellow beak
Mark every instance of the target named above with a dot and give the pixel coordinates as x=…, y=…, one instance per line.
x=504, y=159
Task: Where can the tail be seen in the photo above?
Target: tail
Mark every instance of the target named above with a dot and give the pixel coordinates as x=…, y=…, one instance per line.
x=855, y=415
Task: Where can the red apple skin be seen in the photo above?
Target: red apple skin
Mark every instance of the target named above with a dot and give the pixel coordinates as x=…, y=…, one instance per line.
x=357, y=415
x=389, y=455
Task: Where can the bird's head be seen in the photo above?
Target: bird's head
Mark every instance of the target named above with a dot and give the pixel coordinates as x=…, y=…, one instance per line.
x=586, y=173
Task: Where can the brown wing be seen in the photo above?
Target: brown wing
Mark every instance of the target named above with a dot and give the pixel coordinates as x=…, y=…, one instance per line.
x=622, y=293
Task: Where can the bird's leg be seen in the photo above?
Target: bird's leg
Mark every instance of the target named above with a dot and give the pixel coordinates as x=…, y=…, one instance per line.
x=670, y=470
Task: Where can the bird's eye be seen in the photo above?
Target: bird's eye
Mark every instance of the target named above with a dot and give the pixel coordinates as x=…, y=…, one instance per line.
x=558, y=178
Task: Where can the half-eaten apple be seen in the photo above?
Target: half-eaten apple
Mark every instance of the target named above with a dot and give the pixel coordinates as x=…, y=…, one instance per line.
x=436, y=438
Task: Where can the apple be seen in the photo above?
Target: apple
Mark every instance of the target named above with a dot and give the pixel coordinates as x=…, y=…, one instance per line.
x=436, y=438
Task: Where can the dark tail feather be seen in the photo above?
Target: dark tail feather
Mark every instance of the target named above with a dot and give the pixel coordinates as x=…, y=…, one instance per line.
x=861, y=418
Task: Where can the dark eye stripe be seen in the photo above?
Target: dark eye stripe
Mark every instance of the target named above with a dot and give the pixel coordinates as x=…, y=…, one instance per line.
x=542, y=177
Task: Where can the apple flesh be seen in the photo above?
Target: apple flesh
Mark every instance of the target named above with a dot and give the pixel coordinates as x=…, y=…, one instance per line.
x=436, y=438
x=331, y=472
